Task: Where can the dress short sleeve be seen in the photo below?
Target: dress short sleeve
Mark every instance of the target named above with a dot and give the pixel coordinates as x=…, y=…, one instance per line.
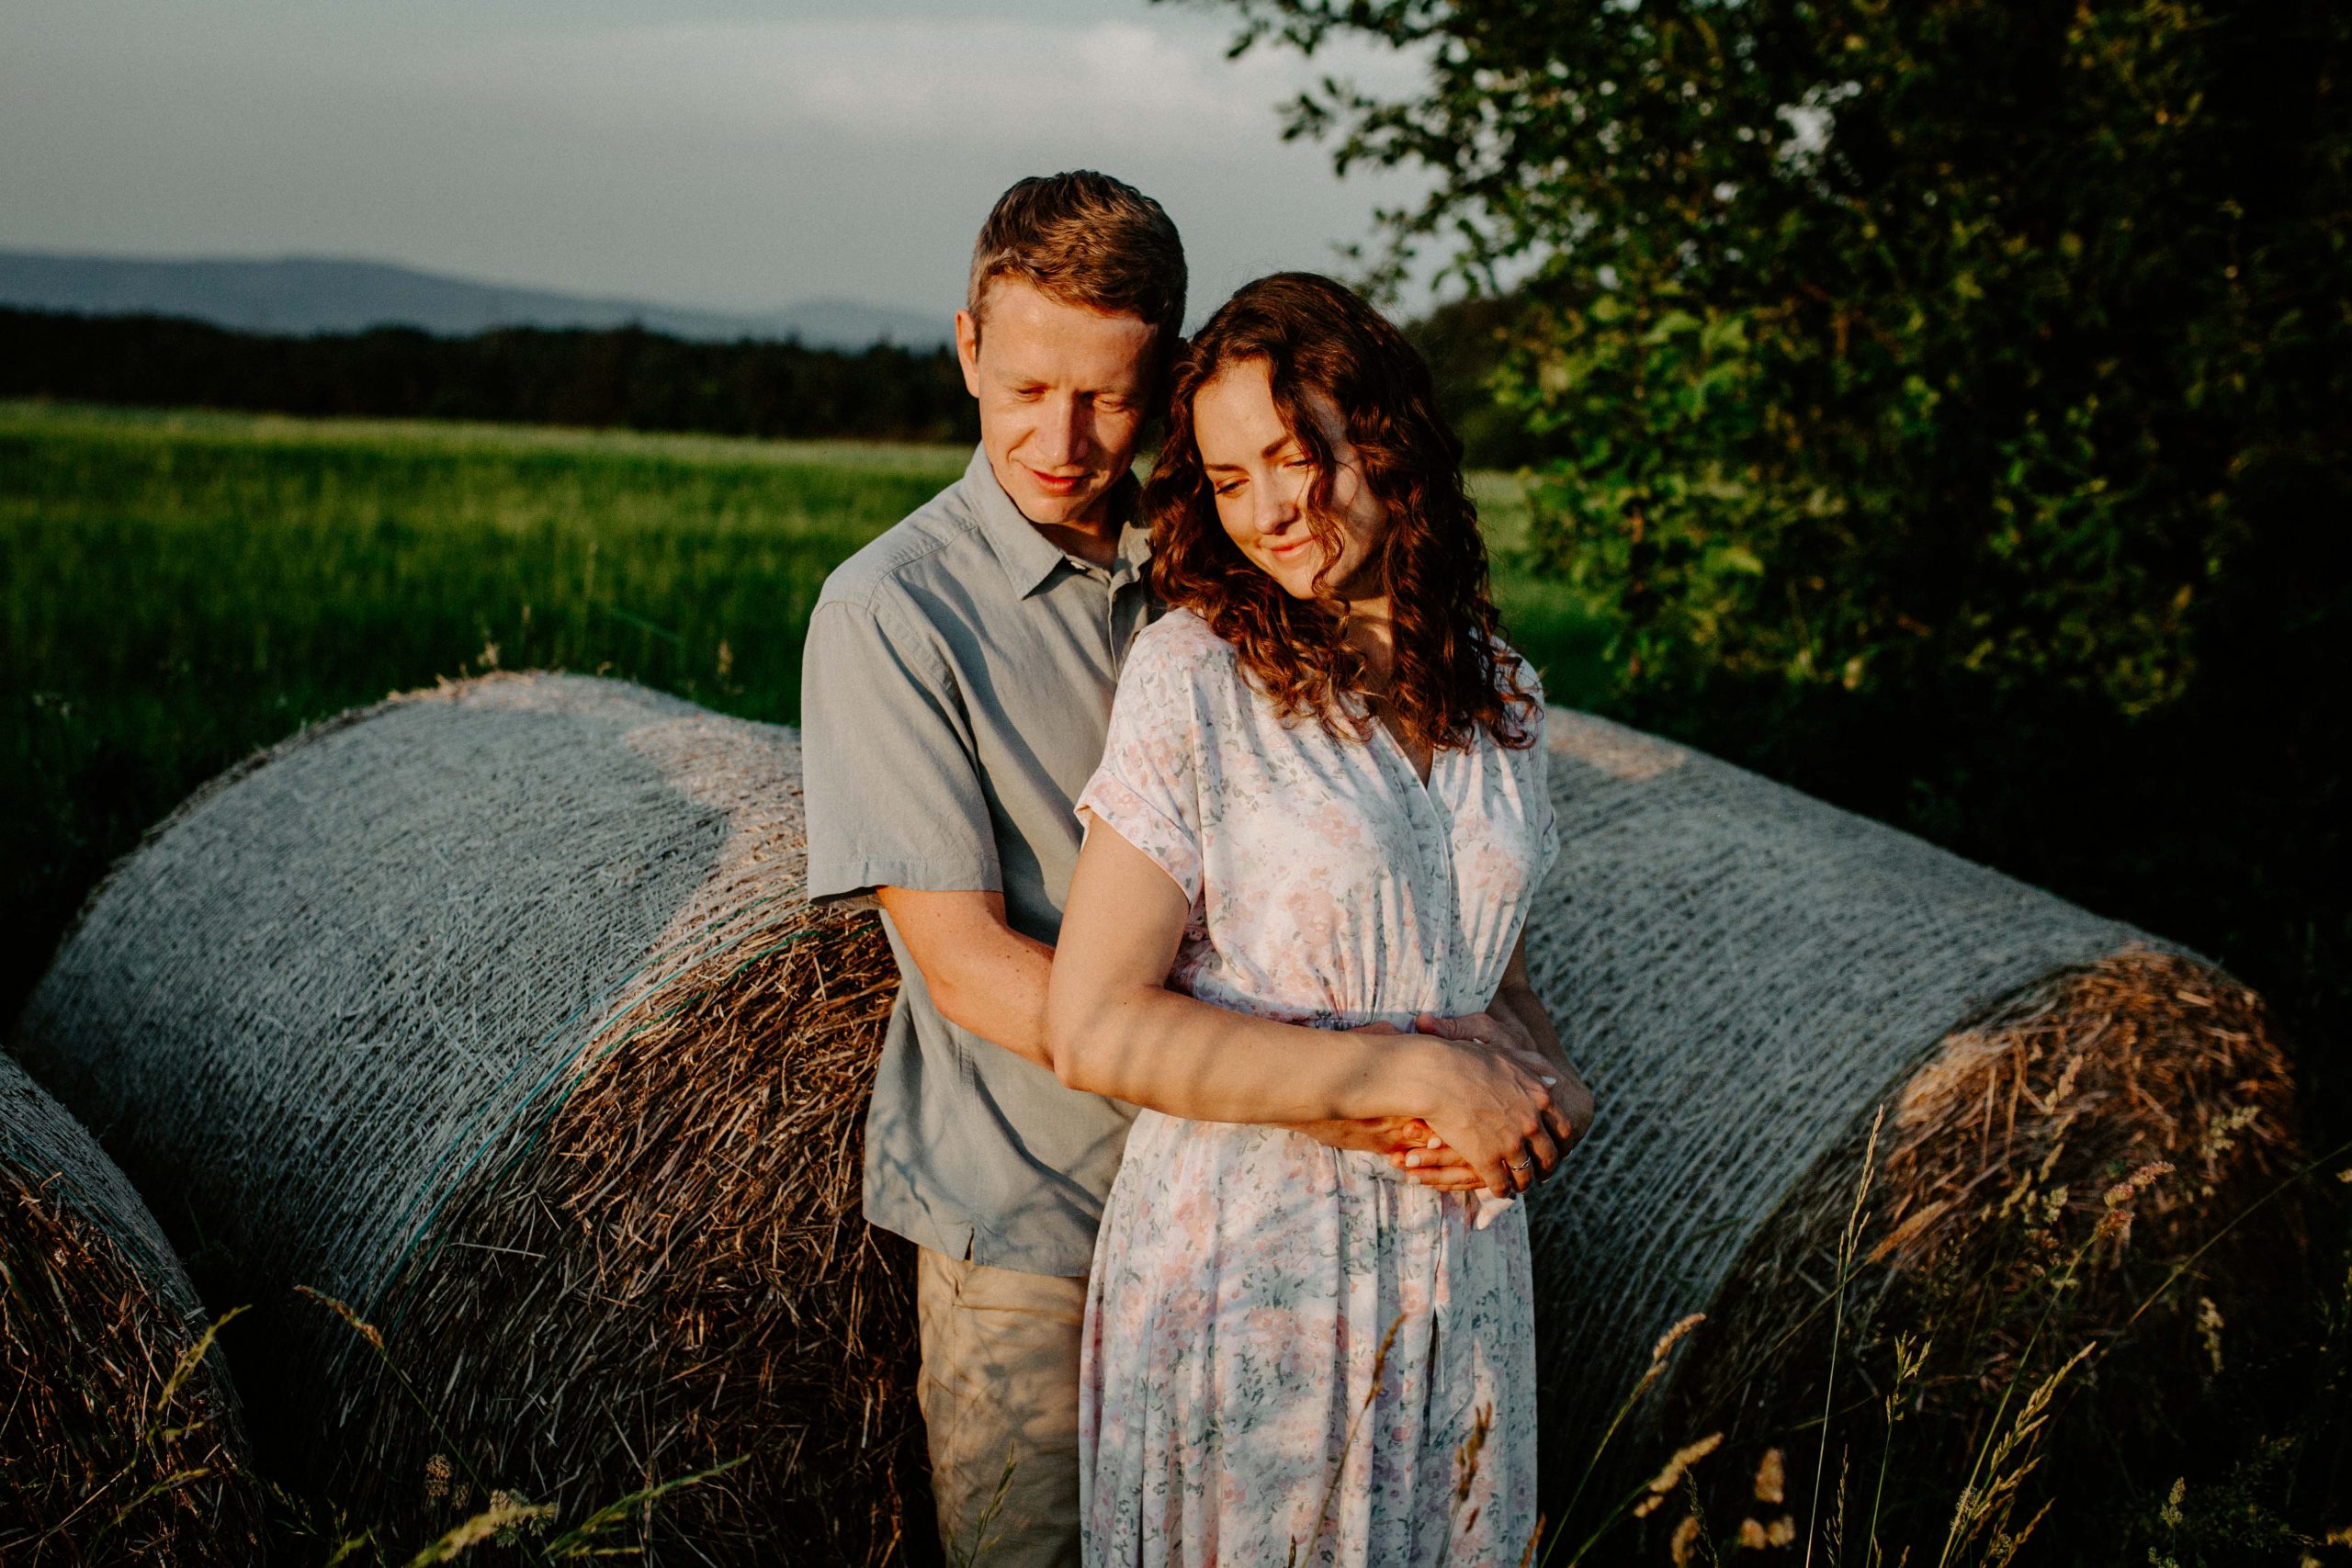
x=1148, y=787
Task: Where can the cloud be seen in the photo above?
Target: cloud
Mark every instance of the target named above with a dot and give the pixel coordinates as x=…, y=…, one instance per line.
x=613, y=146
x=1121, y=84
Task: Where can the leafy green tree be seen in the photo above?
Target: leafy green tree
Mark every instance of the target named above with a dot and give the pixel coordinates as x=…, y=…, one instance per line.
x=1951, y=396
x=1953, y=401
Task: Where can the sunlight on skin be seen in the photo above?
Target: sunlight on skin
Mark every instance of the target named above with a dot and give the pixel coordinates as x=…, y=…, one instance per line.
x=1261, y=477
x=1487, y=1081
x=1059, y=388
x=1061, y=391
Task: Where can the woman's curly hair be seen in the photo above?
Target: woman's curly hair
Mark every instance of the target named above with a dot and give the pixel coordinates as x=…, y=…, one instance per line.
x=1316, y=336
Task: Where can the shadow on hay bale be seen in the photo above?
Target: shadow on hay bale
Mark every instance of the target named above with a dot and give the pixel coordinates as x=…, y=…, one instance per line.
x=494, y=1012
x=119, y=1435
x=1746, y=976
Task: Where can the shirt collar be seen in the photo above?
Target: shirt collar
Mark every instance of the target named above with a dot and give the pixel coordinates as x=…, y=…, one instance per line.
x=1029, y=557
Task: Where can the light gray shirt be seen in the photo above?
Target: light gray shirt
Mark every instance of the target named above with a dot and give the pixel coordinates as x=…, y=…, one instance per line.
x=955, y=693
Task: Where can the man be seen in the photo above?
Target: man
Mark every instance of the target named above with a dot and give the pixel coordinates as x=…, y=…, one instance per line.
x=956, y=687
x=956, y=693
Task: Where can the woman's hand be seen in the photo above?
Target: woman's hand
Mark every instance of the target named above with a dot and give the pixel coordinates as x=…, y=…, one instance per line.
x=1492, y=1104
x=1571, y=1110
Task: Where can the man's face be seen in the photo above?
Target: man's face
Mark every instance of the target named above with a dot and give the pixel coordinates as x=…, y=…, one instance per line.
x=1061, y=391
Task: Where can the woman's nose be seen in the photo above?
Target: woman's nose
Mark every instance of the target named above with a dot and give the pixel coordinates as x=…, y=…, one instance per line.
x=1277, y=509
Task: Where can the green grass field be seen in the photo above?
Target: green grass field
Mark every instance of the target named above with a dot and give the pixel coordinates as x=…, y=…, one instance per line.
x=178, y=589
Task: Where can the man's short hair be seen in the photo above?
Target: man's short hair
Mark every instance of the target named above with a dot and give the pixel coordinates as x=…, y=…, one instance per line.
x=1085, y=239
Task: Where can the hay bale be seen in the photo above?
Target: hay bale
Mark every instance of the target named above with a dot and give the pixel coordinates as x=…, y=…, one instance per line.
x=119, y=1438
x=494, y=1013
x=1746, y=975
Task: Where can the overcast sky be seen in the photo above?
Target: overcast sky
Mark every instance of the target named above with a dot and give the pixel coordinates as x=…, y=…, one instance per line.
x=708, y=153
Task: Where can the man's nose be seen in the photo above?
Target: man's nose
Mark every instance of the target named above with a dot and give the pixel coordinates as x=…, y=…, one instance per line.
x=1064, y=432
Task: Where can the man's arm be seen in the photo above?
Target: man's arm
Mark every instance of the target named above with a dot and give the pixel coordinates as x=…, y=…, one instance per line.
x=983, y=975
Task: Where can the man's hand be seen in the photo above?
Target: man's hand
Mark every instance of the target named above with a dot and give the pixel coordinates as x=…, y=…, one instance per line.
x=1391, y=1136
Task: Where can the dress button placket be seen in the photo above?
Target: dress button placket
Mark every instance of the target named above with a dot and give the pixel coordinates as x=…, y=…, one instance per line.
x=1433, y=836
x=1442, y=827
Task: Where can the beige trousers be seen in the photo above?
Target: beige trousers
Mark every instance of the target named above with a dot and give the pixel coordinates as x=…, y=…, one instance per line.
x=999, y=1391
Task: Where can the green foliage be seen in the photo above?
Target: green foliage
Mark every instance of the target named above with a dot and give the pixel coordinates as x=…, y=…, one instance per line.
x=1950, y=397
x=1881, y=335
x=1952, y=401
x=624, y=376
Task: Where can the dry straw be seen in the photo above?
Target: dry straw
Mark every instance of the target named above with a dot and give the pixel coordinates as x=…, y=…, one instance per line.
x=1746, y=976
x=120, y=1437
x=495, y=1014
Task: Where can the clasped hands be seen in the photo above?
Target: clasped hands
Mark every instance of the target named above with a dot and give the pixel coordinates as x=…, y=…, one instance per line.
x=1504, y=1129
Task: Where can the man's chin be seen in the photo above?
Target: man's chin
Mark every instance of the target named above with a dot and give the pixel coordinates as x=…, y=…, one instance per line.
x=1040, y=504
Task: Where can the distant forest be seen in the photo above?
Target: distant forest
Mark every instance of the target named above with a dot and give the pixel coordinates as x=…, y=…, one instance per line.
x=625, y=377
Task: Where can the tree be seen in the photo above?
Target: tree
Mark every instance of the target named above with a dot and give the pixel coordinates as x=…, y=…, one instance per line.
x=1951, y=397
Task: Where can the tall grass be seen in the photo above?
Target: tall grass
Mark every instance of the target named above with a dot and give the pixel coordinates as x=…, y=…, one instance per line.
x=178, y=589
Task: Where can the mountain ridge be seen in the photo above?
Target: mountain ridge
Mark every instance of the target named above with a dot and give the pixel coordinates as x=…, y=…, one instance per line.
x=299, y=295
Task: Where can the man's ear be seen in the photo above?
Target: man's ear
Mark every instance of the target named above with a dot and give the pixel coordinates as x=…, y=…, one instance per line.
x=968, y=350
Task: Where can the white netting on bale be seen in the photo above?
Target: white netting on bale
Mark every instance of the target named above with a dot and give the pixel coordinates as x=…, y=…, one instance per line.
x=495, y=1014
x=1746, y=975
x=120, y=1436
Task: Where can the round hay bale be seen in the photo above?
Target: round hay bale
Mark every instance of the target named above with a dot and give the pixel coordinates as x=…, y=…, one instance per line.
x=494, y=1015
x=1746, y=976
x=119, y=1435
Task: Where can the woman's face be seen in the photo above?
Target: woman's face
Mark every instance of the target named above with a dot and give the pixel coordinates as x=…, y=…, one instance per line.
x=1261, y=476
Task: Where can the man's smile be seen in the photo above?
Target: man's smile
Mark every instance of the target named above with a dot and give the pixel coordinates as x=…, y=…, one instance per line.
x=1055, y=484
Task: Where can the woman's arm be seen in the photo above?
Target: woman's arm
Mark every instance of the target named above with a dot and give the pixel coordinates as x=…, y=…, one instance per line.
x=1113, y=1028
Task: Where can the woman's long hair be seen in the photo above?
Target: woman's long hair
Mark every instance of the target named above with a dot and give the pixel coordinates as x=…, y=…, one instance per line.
x=1316, y=336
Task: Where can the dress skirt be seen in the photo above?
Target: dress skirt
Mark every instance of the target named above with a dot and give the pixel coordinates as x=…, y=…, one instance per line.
x=1289, y=1352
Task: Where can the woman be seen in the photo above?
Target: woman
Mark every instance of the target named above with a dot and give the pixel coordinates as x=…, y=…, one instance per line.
x=1320, y=807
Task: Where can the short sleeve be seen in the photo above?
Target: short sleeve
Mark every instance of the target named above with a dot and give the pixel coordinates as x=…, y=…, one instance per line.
x=1148, y=787
x=889, y=768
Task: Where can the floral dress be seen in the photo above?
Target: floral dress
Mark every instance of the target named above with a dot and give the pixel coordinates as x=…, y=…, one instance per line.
x=1289, y=1347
